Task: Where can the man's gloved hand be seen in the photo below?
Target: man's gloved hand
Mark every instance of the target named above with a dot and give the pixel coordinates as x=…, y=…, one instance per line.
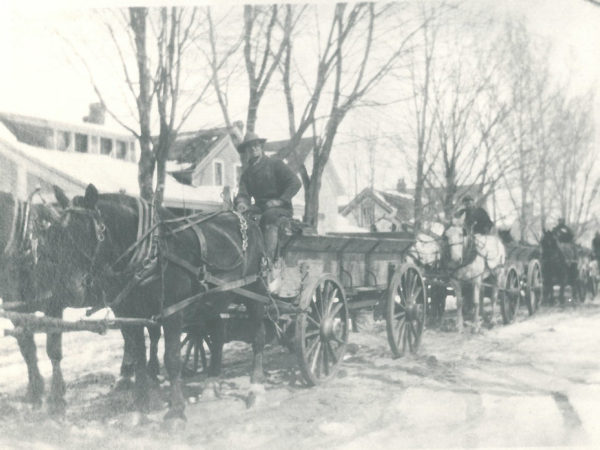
x=241, y=207
x=273, y=203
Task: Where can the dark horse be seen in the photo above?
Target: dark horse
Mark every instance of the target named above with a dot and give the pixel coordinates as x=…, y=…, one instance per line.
x=22, y=226
x=18, y=222
x=559, y=266
x=88, y=250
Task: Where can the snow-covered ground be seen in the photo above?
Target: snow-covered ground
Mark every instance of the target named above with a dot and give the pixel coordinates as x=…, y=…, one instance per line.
x=533, y=383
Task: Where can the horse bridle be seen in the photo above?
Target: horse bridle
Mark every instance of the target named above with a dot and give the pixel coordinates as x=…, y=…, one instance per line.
x=100, y=233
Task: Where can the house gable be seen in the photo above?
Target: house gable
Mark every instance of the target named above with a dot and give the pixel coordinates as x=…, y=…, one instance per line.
x=222, y=153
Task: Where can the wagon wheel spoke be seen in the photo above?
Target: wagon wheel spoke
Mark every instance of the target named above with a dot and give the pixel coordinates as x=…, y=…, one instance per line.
x=332, y=353
x=336, y=309
x=188, y=348
x=314, y=305
x=416, y=294
x=400, y=315
x=203, y=354
x=332, y=298
x=400, y=332
x=405, y=334
x=320, y=301
x=312, y=347
x=196, y=354
x=315, y=358
x=313, y=321
x=312, y=333
x=411, y=336
x=325, y=359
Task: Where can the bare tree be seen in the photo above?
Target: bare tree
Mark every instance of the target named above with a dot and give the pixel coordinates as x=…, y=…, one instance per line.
x=150, y=45
x=419, y=114
x=340, y=83
x=572, y=181
x=261, y=53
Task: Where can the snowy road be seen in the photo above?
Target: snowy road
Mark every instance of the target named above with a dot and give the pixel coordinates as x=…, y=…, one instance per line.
x=533, y=383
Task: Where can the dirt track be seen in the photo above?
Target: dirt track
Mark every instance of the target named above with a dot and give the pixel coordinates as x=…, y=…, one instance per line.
x=533, y=383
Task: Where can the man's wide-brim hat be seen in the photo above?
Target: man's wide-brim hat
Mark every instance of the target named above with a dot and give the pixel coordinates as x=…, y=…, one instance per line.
x=250, y=139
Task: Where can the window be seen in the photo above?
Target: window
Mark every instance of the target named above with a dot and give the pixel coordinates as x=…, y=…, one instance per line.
x=132, y=151
x=218, y=173
x=81, y=143
x=63, y=140
x=106, y=146
x=367, y=215
x=121, y=150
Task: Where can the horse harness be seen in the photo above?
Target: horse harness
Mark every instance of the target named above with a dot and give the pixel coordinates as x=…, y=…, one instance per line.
x=147, y=258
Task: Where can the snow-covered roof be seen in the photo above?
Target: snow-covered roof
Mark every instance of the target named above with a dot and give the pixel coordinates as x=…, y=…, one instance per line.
x=111, y=174
x=397, y=194
x=109, y=128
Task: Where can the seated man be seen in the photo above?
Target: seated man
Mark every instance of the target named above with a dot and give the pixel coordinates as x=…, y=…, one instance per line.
x=476, y=219
x=562, y=232
x=272, y=185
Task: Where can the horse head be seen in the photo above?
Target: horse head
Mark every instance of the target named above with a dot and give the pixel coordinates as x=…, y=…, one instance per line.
x=72, y=247
x=456, y=242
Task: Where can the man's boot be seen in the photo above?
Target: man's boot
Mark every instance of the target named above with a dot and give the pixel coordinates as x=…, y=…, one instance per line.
x=271, y=235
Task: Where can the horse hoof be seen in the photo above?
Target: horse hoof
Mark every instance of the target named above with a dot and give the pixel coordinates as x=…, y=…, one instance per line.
x=174, y=424
x=123, y=384
x=256, y=396
x=57, y=407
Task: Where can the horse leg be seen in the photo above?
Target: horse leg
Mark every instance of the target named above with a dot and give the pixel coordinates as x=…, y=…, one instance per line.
x=135, y=336
x=459, y=305
x=35, y=386
x=127, y=364
x=476, y=302
x=172, y=330
x=216, y=334
x=56, y=398
x=494, y=299
x=153, y=365
x=257, y=313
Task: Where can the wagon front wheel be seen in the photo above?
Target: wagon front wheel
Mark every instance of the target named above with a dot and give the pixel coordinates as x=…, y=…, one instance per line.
x=406, y=310
x=322, y=329
x=535, y=286
x=511, y=296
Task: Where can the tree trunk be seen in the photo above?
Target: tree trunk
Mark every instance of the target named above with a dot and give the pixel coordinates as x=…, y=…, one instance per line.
x=137, y=18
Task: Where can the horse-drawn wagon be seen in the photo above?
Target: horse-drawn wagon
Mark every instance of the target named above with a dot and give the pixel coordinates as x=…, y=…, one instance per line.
x=112, y=250
x=525, y=274
x=472, y=267
x=359, y=270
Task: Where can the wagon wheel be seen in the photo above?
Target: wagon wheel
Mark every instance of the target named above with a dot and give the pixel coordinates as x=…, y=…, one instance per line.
x=321, y=329
x=195, y=347
x=406, y=310
x=535, y=286
x=510, y=296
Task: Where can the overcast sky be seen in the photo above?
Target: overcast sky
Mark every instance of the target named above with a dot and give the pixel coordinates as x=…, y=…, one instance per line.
x=35, y=78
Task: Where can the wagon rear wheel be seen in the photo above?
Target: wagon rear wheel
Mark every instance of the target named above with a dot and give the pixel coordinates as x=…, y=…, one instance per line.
x=406, y=310
x=511, y=296
x=535, y=286
x=195, y=347
x=321, y=329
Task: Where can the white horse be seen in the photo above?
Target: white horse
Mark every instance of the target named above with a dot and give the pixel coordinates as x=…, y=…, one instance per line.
x=489, y=260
